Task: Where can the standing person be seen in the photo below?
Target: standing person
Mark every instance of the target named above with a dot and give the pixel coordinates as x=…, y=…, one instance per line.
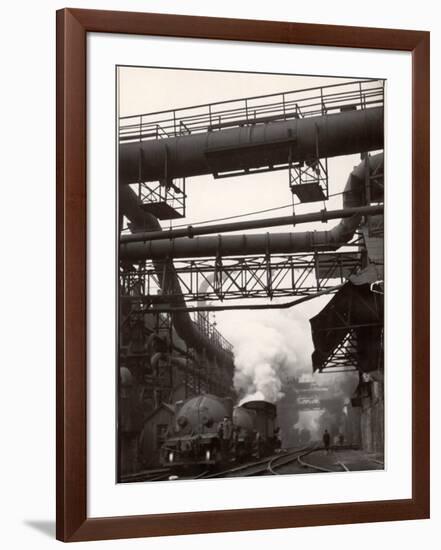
x=225, y=432
x=326, y=441
x=258, y=445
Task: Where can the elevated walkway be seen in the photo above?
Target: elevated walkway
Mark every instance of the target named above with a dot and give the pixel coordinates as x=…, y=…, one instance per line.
x=249, y=111
x=295, y=131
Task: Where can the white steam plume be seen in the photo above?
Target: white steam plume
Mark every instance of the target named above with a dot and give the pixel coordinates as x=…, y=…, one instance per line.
x=270, y=346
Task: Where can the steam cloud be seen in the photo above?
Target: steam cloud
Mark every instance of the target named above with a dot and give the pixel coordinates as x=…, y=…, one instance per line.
x=270, y=347
x=273, y=346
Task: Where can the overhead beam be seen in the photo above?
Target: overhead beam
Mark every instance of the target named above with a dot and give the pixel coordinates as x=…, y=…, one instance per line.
x=278, y=305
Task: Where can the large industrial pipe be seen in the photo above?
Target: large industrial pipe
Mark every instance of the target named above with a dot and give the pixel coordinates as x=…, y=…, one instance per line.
x=274, y=243
x=182, y=322
x=252, y=146
x=297, y=219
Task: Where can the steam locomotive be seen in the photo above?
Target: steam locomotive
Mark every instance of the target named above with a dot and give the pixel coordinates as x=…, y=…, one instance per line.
x=208, y=431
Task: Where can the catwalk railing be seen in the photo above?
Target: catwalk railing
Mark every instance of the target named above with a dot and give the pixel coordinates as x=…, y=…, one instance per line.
x=209, y=117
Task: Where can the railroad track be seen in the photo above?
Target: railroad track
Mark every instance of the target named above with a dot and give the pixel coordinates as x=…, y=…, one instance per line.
x=160, y=474
x=268, y=465
x=283, y=460
x=272, y=465
x=341, y=466
x=280, y=461
x=317, y=468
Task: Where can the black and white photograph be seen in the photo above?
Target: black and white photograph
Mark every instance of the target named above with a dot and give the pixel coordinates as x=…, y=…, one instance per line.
x=217, y=318
x=250, y=273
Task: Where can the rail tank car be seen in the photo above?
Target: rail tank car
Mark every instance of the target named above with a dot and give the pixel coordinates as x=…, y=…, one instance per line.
x=194, y=435
x=207, y=431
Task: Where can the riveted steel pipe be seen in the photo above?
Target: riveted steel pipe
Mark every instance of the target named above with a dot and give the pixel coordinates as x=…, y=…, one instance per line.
x=252, y=146
x=261, y=243
x=190, y=231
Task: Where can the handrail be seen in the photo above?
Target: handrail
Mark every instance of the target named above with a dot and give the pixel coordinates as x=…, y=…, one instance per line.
x=208, y=117
x=357, y=82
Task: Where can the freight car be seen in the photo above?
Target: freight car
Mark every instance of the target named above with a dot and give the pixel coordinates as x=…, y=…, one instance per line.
x=208, y=431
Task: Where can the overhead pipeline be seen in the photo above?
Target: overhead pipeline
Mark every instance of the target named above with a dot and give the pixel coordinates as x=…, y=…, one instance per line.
x=260, y=145
x=273, y=243
x=227, y=227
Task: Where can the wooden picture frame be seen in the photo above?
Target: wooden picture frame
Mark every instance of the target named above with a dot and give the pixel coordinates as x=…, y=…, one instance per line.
x=73, y=524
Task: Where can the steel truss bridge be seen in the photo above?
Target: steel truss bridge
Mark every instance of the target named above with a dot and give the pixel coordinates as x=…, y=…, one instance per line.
x=222, y=279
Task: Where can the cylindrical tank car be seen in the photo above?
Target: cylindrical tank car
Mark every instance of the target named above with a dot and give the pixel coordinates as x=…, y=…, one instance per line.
x=207, y=431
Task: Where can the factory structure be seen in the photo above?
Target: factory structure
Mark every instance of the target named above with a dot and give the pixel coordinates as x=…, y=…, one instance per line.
x=172, y=281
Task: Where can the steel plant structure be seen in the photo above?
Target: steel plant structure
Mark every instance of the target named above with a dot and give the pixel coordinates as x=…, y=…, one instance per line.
x=169, y=348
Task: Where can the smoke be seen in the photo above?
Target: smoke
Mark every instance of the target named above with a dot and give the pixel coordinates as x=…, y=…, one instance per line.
x=270, y=348
x=268, y=351
x=309, y=420
x=273, y=347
